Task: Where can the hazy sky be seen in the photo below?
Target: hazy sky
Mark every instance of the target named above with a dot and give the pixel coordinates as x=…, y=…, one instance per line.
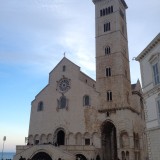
x=34, y=34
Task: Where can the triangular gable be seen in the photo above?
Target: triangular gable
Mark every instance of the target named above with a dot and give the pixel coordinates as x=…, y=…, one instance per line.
x=62, y=61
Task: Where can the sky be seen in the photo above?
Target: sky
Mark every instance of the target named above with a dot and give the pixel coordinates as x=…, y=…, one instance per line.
x=34, y=34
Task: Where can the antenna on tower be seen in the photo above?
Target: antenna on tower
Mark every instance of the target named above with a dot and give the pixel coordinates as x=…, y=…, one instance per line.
x=64, y=54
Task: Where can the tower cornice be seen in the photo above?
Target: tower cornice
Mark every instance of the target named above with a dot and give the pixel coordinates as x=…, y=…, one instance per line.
x=122, y=1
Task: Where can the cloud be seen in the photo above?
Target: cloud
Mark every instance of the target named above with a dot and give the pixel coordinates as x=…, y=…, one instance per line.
x=37, y=32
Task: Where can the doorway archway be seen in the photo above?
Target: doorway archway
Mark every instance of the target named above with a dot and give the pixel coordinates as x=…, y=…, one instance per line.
x=41, y=156
x=61, y=137
x=109, y=141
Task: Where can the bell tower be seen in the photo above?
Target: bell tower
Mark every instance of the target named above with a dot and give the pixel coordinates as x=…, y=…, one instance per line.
x=112, y=59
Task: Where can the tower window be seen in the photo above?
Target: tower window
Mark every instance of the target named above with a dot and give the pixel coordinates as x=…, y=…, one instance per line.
x=106, y=11
x=109, y=96
x=107, y=50
x=111, y=9
x=101, y=12
x=86, y=100
x=108, y=72
x=40, y=106
x=107, y=27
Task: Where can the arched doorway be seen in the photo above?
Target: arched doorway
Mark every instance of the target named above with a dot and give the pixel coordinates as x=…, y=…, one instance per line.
x=41, y=156
x=60, y=137
x=109, y=141
x=80, y=157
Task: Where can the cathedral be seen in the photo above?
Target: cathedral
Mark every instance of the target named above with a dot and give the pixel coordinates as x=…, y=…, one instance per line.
x=76, y=117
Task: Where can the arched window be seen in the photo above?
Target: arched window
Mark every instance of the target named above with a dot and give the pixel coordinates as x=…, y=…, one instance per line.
x=109, y=96
x=136, y=140
x=78, y=139
x=87, y=139
x=107, y=50
x=63, y=102
x=86, y=100
x=108, y=72
x=64, y=68
x=36, y=139
x=107, y=27
x=40, y=106
x=127, y=155
x=123, y=155
x=124, y=139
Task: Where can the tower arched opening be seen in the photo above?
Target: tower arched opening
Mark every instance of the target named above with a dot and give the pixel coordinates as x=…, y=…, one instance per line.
x=109, y=141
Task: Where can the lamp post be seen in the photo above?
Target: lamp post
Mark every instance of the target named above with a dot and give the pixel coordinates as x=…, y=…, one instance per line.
x=4, y=139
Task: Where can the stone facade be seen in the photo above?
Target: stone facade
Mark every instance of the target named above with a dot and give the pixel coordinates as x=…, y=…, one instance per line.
x=150, y=69
x=76, y=117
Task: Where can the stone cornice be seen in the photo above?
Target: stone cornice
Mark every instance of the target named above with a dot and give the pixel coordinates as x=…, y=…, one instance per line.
x=118, y=108
x=151, y=45
x=154, y=90
x=122, y=1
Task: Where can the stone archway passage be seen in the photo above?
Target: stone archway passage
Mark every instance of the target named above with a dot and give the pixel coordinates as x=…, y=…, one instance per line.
x=109, y=141
x=80, y=157
x=41, y=156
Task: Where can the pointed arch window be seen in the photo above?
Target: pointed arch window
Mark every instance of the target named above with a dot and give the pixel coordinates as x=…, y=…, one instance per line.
x=109, y=96
x=86, y=100
x=40, y=106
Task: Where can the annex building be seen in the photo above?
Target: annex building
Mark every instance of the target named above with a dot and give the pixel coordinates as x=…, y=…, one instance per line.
x=150, y=73
x=76, y=117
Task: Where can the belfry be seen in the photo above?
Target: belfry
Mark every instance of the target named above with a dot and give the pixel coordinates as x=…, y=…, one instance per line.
x=77, y=118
